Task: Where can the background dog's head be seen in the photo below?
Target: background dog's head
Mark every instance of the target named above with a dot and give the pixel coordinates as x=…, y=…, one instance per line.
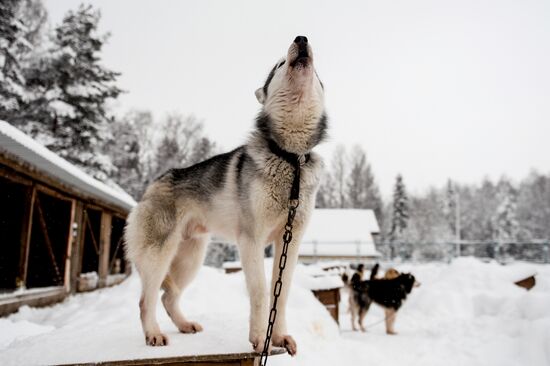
x=408, y=281
x=292, y=100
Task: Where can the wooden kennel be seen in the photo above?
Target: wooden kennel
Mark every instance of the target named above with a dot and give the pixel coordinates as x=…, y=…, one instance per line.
x=61, y=229
x=330, y=298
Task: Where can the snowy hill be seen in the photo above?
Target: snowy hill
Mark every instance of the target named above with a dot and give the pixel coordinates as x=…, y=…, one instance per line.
x=465, y=313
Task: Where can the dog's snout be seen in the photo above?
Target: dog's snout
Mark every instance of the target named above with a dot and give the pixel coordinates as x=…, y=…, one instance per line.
x=300, y=40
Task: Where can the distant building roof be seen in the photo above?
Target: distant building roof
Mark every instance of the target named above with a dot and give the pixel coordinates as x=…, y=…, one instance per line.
x=340, y=233
x=33, y=153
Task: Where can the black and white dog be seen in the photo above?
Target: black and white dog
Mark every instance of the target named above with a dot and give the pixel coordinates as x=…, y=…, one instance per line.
x=242, y=196
x=389, y=292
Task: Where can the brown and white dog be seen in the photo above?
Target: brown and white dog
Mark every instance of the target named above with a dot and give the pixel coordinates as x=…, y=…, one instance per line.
x=242, y=196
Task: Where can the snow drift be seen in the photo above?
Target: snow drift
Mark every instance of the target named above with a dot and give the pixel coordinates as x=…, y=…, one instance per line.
x=467, y=312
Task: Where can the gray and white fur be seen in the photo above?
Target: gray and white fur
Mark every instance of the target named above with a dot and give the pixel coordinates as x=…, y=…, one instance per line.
x=242, y=196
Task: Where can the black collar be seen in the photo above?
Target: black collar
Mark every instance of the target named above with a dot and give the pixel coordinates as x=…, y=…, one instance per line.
x=291, y=158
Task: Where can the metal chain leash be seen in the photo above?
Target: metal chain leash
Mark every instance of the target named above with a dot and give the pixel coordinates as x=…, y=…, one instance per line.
x=293, y=203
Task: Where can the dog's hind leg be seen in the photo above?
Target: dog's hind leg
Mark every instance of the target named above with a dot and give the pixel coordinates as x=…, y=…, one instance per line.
x=353, y=311
x=150, y=246
x=390, y=320
x=362, y=313
x=185, y=265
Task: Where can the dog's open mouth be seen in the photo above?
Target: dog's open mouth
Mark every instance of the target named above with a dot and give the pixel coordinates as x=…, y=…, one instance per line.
x=302, y=59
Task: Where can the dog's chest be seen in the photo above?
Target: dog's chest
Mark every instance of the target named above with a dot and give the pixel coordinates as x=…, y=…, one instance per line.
x=276, y=183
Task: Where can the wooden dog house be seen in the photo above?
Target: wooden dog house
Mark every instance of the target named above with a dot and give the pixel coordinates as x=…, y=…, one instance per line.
x=61, y=229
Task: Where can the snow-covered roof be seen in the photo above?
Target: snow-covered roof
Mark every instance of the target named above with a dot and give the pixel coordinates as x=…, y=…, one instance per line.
x=30, y=151
x=340, y=232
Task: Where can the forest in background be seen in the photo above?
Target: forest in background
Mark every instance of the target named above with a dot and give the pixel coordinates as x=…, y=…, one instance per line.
x=54, y=87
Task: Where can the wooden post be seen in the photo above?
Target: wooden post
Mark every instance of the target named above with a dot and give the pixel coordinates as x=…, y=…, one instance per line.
x=77, y=232
x=26, y=238
x=104, y=247
x=69, y=249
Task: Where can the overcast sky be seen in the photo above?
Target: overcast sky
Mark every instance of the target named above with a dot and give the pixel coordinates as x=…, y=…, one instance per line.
x=431, y=89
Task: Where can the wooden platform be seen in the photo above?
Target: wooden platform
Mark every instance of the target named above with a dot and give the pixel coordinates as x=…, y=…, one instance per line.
x=234, y=359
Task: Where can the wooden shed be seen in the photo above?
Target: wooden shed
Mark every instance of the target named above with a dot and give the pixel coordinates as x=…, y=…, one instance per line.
x=61, y=229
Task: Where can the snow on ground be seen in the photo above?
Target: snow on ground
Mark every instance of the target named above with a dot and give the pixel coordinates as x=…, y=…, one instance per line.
x=465, y=313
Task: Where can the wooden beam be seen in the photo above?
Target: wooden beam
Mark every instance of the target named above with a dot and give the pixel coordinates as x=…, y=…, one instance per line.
x=47, y=240
x=89, y=226
x=113, y=260
x=78, y=241
x=51, y=192
x=14, y=177
x=25, y=170
x=44, y=297
x=26, y=231
x=69, y=249
x=104, y=247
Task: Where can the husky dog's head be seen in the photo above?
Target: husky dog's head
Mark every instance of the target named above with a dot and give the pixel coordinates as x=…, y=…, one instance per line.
x=292, y=101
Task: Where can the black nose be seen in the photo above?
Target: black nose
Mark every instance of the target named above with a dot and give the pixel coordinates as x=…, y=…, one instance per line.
x=300, y=40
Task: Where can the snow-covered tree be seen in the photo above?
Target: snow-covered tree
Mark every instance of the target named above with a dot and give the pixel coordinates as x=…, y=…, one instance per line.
x=71, y=88
x=181, y=144
x=128, y=149
x=400, y=212
x=506, y=225
x=141, y=149
x=12, y=44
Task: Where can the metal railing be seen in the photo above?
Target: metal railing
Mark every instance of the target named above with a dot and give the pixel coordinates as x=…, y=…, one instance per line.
x=537, y=251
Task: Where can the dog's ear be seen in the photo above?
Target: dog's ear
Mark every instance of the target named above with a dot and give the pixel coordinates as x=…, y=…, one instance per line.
x=260, y=95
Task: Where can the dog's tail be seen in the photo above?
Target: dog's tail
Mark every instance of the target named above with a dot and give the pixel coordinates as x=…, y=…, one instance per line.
x=374, y=271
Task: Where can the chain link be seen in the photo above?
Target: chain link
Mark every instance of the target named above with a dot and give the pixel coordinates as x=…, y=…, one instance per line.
x=287, y=238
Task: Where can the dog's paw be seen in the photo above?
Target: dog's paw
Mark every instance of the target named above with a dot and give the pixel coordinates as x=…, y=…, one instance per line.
x=258, y=343
x=363, y=329
x=391, y=332
x=155, y=340
x=189, y=327
x=287, y=342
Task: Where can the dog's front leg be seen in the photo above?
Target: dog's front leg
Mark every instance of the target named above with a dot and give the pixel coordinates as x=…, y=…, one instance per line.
x=280, y=334
x=252, y=260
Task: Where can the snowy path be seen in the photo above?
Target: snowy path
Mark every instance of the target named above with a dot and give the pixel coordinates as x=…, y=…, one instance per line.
x=466, y=313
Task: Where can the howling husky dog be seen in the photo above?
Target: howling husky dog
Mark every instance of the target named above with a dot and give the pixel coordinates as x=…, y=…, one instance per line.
x=242, y=196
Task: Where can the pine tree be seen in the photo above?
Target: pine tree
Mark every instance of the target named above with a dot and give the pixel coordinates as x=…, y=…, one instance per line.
x=68, y=112
x=12, y=44
x=400, y=213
